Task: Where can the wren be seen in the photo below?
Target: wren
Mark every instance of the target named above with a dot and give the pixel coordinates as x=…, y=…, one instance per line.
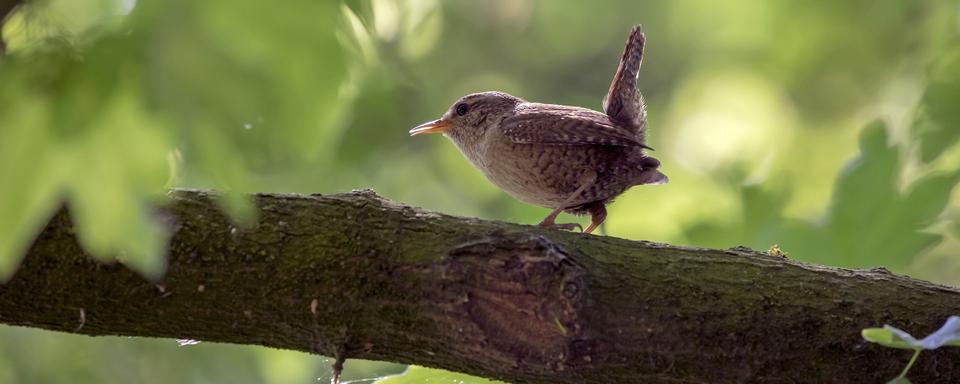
x=560, y=157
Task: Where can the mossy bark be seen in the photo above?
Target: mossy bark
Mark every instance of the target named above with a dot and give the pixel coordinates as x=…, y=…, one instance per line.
x=383, y=281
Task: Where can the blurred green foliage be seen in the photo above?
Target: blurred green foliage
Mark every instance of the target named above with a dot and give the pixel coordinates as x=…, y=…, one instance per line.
x=416, y=375
x=32, y=356
x=830, y=128
x=96, y=115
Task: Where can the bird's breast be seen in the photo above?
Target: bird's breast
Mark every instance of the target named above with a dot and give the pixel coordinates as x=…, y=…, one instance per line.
x=547, y=175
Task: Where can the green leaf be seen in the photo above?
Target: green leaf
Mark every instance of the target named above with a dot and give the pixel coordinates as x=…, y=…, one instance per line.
x=118, y=170
x=416, y=375
x=938, y=119
x=29, y=197
x=927, y=198
x=93, y=115
x=868, y=192
x=868, y=181
x=899, y=380
x=884, y=337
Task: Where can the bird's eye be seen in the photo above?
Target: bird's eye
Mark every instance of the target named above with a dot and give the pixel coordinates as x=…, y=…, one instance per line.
x=462, y=109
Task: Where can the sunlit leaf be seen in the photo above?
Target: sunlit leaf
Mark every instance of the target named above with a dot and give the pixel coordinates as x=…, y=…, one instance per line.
x=31, y=175
x=416, y=375
x=885, y=337
x=357, y=37
x=119, y=169
x=227, y=87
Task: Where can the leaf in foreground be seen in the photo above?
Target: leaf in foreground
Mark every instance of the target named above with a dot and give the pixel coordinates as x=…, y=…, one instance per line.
x=416, y=374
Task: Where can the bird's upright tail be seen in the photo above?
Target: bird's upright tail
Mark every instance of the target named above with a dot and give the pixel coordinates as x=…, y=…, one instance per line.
x=623, y=103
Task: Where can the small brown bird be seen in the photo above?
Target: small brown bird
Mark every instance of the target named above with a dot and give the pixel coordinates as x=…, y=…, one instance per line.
x=564, y=158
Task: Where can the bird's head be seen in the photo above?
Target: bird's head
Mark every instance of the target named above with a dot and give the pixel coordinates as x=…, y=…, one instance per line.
x=471, y=116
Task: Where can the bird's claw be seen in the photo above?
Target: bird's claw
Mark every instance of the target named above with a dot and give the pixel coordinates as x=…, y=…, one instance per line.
x=564, y=226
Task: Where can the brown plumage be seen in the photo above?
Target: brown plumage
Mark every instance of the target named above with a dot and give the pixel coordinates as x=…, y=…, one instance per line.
x=561, y=157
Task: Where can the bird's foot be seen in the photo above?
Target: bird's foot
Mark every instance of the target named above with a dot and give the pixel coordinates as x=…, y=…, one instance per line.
x=564, y=226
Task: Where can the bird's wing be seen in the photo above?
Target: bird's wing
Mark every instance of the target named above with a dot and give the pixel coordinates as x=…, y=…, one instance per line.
x=562, y=125
x=623, y=103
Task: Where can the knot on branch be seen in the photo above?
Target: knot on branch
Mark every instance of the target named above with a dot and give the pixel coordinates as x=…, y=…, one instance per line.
x=523, y=296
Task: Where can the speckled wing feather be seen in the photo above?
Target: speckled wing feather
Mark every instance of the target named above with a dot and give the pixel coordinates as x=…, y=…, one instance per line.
x=562, y=125
x=623, y=103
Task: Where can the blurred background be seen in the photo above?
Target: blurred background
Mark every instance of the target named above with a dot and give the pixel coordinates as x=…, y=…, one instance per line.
x=827, y=128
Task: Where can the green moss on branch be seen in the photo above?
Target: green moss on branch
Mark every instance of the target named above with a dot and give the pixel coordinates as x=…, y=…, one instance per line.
x=385, y=281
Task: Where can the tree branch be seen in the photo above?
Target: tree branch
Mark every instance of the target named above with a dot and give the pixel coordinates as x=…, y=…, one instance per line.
x=359, y=274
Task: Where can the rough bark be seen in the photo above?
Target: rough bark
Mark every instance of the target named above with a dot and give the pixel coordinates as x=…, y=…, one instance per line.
x=384, y=281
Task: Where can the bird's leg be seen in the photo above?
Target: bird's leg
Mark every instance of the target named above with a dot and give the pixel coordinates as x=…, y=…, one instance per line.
x=586, y=180
x=550, y=222
x=598, y=213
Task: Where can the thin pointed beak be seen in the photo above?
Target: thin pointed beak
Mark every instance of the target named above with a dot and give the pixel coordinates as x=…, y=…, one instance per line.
x=436, y=126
